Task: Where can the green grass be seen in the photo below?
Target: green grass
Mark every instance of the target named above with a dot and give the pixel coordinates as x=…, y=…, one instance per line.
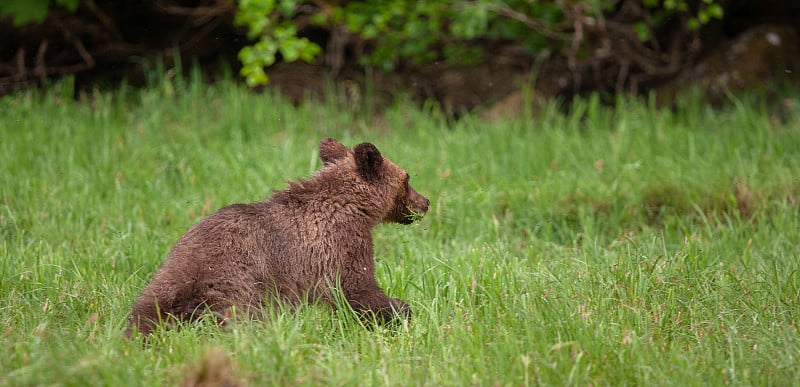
x=625, y=246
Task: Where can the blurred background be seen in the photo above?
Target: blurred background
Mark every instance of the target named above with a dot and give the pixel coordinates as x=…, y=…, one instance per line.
x=482, y=55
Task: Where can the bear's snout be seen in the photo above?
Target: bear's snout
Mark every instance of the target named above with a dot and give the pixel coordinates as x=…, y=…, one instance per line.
x=415, y=207
x=425, y=204
x=419, y=204
x=409, y=208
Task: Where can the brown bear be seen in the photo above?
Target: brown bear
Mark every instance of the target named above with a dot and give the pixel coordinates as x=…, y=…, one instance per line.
x=289, y=248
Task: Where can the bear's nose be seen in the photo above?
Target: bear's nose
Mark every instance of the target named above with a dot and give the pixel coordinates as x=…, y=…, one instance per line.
x=427, y=203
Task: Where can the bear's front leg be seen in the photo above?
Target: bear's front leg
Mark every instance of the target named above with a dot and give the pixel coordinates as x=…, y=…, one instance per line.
x=373, y=305
x=396, y=311
x=393, y=311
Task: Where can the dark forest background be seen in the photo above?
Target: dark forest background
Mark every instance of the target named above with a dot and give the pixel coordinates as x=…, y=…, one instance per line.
x=463, y=54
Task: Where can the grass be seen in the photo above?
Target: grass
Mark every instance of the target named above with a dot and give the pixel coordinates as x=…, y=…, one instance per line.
x=624, y=246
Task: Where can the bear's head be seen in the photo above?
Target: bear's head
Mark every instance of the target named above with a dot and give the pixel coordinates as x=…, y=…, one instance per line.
x=389, y=184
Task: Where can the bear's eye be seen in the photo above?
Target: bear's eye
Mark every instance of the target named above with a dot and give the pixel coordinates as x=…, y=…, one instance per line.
x=407, y=185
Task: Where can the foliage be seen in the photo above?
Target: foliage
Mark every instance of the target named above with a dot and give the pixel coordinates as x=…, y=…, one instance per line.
x=270, y=23
x=423, y=32
x=624, y=246
x=458, y=31
x=26, y=11
x=705, y=11
x=621, y=43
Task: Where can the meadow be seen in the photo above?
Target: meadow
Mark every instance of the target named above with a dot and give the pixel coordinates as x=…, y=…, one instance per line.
x=590, y=245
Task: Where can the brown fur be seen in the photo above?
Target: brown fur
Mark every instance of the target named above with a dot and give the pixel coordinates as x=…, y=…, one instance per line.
x=288, y=247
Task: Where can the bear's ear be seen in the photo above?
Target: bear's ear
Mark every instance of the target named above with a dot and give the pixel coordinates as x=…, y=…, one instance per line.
x=331, y=150
x=368, y=160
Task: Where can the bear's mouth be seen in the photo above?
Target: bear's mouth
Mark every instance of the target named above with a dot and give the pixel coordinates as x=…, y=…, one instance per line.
x=412, y=216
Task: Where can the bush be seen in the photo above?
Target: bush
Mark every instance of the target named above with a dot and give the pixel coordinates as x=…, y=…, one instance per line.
x=617, y=44
x=627, y=42
x=25, y=11
x=270, y=22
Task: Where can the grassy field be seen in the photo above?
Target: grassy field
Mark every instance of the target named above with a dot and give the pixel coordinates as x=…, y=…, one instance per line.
x=625, y=246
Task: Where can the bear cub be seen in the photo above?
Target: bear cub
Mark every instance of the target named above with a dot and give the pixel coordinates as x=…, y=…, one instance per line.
x=290, y=248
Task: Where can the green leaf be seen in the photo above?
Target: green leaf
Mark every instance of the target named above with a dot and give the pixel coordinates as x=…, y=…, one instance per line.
x=287, y=8
x=470, y=22
x=641, y=30
x=254, y=76
x=370, y=32
x=550, y=12
x=310, y=51
x=24, y=11
x=703, y=17
x=290, y=49
x=715, y=11
x=246, y=55
x=71, y=5
x=320, y=19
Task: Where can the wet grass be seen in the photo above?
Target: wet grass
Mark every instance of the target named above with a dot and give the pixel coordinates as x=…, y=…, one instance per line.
x=600, y=246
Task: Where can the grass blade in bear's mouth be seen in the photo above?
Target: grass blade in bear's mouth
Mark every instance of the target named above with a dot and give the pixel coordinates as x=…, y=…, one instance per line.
x=415, y=216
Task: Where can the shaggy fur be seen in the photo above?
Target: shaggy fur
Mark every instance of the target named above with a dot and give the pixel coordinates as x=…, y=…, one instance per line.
x=289, y=247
